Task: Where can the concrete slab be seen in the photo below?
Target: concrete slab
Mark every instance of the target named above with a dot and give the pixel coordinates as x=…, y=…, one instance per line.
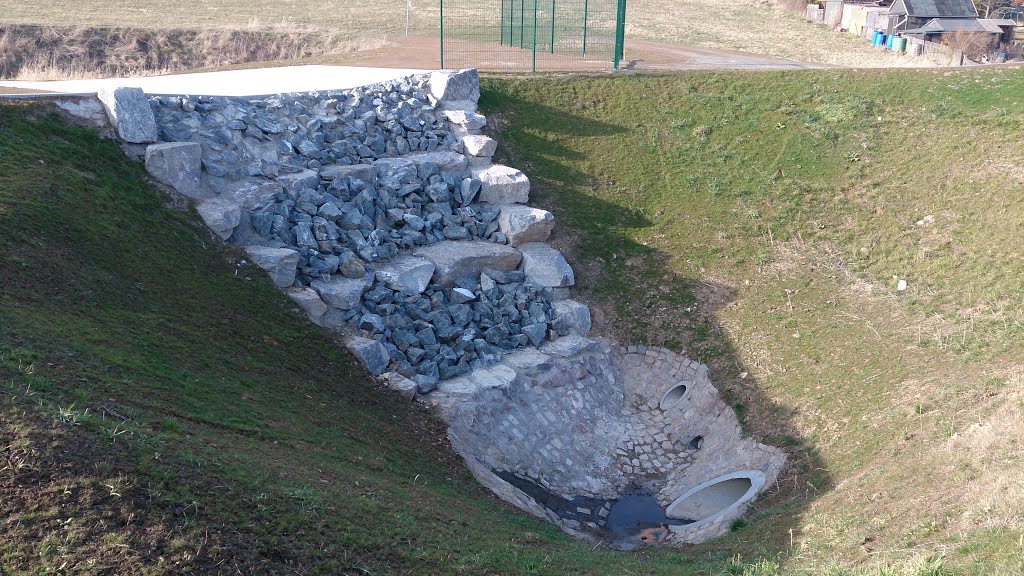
x=251, y=82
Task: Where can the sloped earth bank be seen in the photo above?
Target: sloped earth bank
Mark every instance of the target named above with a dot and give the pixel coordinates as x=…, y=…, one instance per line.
x=58, y=52
x=379, y=212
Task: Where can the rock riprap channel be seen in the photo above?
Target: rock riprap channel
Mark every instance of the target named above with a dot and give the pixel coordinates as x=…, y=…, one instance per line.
x=379, y=211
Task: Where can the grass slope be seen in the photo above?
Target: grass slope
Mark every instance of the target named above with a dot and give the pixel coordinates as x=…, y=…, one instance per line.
x=760, y=222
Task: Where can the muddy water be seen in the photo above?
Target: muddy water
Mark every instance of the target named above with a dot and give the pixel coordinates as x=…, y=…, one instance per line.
x=628, y=522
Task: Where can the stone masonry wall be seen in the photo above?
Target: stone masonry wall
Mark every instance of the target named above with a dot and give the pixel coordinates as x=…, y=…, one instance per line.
x=584, y=418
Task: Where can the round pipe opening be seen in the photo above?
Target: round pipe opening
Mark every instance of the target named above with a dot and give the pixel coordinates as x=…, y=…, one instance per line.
x=673, y=396
x=716, y=497
x=696, y=443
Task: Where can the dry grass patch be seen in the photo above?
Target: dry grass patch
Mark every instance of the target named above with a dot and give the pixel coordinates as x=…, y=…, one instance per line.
x=751, y=25
x=58, y=52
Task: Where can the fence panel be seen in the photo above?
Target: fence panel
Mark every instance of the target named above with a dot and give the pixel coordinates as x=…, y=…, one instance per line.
x=517, y=35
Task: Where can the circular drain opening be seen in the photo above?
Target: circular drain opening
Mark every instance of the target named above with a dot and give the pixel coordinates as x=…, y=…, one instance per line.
x=697, y=443
x=716, y=497
x=673, y=396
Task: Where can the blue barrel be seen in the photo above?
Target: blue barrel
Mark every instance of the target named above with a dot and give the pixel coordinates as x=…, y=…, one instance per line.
x=889, y=40
x=876, y=38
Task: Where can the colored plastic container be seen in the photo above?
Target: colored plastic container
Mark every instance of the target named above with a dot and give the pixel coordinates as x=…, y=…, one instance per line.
x=889, y=40
x=899, y=44
x=876, y=38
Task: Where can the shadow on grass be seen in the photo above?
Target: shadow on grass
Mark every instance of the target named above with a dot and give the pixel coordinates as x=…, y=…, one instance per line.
x=637, y=297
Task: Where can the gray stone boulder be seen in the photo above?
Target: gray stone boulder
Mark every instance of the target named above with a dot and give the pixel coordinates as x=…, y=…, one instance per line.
x=299, y=181
x=221, y=215
x=445, y=160
x=546, y=266
x=466, y=122
x=130, y=114
x=370, y=353
x=85, y=108
x=364, y=172
x=480, y=146
x=528, y=362
x=571, y=318
x=403, y=386
x=502, y=185
x=522, y=224
x=406, y=274
x=496, y=376
x=467, y=259
x=343, y=293
x=456, y=90
x=569, y=346
x=401, y=169
x=252, y=193
x=280, y=263
x=310, y=303
x=178, y=165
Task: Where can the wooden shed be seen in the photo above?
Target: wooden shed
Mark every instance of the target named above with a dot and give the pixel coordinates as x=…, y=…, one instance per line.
x=910, y=14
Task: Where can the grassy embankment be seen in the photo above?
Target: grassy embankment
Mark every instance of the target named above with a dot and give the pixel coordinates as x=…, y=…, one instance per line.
x=164, y=407
x=761, y=222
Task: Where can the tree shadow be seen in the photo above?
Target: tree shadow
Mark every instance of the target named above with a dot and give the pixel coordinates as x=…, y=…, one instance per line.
x=637, y=298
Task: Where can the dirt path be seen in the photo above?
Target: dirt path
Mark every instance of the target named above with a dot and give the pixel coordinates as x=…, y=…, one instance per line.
x=641, y=55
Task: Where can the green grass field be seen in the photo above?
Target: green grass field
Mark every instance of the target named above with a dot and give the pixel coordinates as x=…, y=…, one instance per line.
x=165, y=410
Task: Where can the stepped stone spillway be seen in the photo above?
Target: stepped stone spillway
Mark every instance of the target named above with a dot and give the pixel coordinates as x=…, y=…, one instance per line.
x=379, y=211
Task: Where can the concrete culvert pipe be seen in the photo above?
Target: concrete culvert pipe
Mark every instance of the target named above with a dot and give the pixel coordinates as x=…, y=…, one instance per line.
x=715, y=497
x=673, y=396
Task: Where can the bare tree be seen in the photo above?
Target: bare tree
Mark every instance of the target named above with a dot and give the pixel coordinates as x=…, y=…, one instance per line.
x=972, y=44
x=987, y=7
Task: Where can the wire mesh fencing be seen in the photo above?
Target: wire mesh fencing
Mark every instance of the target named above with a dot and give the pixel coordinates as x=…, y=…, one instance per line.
x=535, y=35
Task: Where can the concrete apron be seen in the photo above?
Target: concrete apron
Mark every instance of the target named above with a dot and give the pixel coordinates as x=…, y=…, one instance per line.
x=582, y=426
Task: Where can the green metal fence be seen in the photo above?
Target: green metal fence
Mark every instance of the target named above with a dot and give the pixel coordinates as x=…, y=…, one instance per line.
x=532, y=34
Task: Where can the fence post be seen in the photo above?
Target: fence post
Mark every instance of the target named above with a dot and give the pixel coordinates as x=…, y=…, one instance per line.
x=620, y=33
x=522, y=23
x=442, y=34
x=534, y=65
x=501, y=36
x=552, y=26
x=585, y=10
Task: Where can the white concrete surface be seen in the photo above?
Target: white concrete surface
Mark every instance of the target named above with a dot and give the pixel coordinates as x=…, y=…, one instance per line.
x=251, y=82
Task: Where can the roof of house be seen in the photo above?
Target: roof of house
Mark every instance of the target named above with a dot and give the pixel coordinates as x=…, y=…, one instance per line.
x=943, y=25
x=934, y=8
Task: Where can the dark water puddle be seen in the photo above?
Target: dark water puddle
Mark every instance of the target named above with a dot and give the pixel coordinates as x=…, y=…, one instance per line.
x=580, y=508
x=639, y=519
x=628, y=522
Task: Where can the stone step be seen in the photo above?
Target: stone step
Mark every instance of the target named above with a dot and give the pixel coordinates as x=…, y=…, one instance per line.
x=569, y=346
x=546, y=266
x=572, y=318
x=523, y=224
x=445, y=160
x=279, y=263
x=497, y=376
x=364, y=172
x=468, y=259
x=178, y=165
x=502, y=185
